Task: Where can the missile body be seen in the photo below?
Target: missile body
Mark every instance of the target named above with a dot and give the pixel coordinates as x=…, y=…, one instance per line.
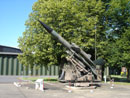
x=83, y=58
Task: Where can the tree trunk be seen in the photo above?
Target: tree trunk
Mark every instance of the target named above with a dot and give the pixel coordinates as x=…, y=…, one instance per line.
x=128, y=76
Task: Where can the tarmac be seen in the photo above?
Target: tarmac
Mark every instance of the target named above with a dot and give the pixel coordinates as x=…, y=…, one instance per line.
x=59, y=90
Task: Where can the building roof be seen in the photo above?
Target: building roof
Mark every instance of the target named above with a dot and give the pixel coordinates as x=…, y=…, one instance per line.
x=6, y=50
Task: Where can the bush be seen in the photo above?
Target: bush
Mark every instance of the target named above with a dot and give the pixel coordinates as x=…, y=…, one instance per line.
x=124, y=74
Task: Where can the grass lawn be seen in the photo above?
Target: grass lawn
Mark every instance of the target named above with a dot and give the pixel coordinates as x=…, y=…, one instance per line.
x=118, y=79
x=122, y=83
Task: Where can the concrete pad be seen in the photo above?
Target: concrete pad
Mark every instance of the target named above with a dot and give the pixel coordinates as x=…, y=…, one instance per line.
x=9, y=91
x=9, y=79
x=55, y=90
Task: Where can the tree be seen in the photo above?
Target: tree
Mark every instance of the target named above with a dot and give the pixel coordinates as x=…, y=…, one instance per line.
x=116, y=20
x=117, y=17
x=117, y=23
x=75, y=20
x=124, y=46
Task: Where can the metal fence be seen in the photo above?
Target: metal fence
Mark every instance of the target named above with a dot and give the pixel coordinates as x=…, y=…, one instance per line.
x=9, y=65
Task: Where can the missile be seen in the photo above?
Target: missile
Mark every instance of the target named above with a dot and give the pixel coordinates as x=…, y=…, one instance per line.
x=46, y=27
x=85, y=58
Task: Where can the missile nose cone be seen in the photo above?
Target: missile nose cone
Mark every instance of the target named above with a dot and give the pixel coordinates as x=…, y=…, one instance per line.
x=46, y=27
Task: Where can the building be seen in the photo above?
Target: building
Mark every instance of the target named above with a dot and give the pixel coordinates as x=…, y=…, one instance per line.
x=9, y=64
x=9, y=50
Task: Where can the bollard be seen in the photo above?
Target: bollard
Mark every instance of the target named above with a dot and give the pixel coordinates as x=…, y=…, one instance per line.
x=69, y=87
x=42, y=86
x=112, y=83
x=91, y=91
x=105, y=79
x=19, y=81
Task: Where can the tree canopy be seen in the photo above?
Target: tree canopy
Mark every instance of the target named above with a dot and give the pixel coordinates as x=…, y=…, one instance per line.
x=74, y=20
x=100, y=24
x=117, y=23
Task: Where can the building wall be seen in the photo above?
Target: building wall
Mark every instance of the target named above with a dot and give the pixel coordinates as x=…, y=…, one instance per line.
x=9, y=65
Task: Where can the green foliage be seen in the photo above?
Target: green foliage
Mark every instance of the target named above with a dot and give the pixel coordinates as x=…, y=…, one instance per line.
x=117, y=17
x=124, y=74
x=77, y=21
x=124, y=47
x=74, y=20
x=117, y=22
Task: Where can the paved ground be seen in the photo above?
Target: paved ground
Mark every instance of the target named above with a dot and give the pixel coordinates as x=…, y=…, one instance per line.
x=11, y=91
x=8, y=79
x=58, y=90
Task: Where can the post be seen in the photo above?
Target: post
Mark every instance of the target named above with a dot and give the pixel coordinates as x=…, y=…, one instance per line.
x=105, y=79
x=95, y=41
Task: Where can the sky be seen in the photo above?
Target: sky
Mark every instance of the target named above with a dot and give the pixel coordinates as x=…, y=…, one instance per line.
x=13, y=14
